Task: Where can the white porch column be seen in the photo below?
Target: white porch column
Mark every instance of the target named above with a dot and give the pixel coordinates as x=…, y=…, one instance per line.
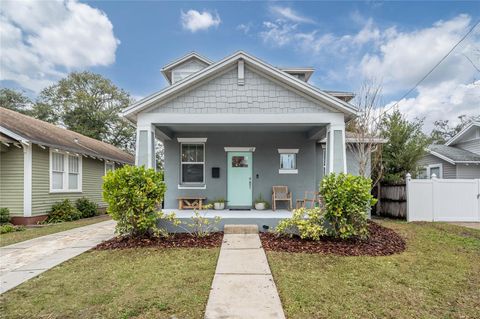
x=27, y=179
x=145, y=150
x=336, y=150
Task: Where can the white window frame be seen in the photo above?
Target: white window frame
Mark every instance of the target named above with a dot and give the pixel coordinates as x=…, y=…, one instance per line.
x=186, y=185
x=429, y=167
x=287, y=151
x=105, y=167
x=66, y=156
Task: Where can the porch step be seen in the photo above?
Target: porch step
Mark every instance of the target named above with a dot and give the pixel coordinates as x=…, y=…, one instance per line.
x=240, y=229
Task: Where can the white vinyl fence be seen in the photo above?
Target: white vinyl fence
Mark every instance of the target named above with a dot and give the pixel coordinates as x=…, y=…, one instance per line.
x=449, y=200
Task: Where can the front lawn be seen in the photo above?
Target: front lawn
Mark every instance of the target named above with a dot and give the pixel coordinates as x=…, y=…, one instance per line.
x=436, y=277
x=139, y=283
x=30, y=233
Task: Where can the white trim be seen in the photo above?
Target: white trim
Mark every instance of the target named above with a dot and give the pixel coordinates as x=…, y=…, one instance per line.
x=185, y=58
x=239, y=149
x=430, y=166
x=192, y=139
x=288, y=171
x=295, y=83
x=288, y=150
x=65, y=188
x=192, y=187
x=459, y=134
x=145, y=119
x=27, y=180
x=204, y=163
x=443, y=157
x=331, y=129
x=12, y=135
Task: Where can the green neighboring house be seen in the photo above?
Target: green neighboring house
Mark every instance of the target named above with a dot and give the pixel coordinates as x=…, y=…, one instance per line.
x=41, y=164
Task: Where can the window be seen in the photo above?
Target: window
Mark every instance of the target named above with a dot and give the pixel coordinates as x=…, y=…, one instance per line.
x=288, y=161
x=192, y=163
x=427, y=171
x=109, y=166
x=65, y=172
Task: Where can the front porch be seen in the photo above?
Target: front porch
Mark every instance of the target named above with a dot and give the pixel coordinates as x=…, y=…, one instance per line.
x=264, y=219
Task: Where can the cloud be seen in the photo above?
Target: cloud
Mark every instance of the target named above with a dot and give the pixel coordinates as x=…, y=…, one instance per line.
x=194, y=20
x=397, y=58
x=289, y=14
x=245, y=28
x=41, y=41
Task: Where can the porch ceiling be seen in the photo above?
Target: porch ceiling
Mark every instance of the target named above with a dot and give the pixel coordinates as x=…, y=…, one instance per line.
x=187, y=128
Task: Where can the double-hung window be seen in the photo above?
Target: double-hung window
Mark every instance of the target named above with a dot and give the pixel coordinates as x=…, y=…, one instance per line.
x=288, y=161
x=426, y=172
x=65, y=172
x=192, y=159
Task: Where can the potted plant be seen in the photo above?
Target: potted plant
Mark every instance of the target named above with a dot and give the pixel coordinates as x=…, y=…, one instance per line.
x=219, y=204
x=260, y=203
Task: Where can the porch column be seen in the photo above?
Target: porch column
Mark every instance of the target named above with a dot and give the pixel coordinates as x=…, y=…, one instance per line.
x=145, y=150
x=336, y=152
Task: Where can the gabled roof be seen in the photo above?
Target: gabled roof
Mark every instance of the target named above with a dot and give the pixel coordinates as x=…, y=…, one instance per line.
x=26, y=129
x=216, y=68
x=167, y=69
x=460, y=134
x=307, y=71
x=452, y=154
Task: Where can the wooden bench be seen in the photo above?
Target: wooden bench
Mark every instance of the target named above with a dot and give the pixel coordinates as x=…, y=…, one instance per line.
x=193, y=202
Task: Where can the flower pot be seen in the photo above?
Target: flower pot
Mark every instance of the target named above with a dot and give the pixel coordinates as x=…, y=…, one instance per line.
x=259, y=206
x=219, y=206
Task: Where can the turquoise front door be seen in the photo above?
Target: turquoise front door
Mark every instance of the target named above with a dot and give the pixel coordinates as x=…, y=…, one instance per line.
x=239, y=179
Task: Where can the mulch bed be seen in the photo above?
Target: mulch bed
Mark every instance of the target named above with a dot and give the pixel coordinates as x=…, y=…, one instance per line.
x=179, y=240
x=381, y=241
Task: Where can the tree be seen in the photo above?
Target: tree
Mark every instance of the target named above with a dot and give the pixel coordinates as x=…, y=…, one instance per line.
x=89, y=104
x=405, y=146
x=366, y=131
x=443, y=131
x=14, y=100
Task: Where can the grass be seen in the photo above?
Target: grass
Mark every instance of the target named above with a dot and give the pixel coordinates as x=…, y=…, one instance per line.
x=30, y=233
x=132, y=283
x=436, y=277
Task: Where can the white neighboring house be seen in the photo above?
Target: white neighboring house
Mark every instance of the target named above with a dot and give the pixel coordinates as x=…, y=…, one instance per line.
x=459, y=158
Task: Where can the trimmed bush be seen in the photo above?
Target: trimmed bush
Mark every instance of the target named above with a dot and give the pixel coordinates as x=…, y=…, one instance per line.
x=4, y=215
x=347, y=199
x=86, y=207
x=133, y=195
x=63, y=211
x=307, y=223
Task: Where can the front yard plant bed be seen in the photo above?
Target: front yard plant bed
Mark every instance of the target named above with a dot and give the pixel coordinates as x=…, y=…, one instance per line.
x=178, y=240
x=381, y=241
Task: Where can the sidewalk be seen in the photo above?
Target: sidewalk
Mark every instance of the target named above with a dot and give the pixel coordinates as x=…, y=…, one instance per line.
x=243, y=286
x=25, y=260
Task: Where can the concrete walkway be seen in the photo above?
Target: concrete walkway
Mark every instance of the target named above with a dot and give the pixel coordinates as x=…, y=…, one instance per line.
x=25, y=260
x=243, y=286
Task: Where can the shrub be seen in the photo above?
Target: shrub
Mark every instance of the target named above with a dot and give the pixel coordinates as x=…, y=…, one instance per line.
x=4, y=215
x=133, y=195
x=307, y=223
x=347, y=199
x=8, y=228
x=63, y=211
x=199, y=225
x=86, y=207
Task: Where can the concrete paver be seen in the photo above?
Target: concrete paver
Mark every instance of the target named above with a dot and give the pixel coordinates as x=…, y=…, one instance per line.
x=243, y=286
x=25, y=260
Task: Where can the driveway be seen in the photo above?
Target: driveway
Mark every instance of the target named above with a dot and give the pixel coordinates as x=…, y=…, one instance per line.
x=473, y=225
x=22, y=261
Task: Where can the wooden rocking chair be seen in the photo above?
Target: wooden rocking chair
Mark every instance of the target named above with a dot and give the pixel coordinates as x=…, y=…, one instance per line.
x=312, y=198
x=281, y=194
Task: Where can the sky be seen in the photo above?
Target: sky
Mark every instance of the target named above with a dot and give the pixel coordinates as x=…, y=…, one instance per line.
x=393, y=44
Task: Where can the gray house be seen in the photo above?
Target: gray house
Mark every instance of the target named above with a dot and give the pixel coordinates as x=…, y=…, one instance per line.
x=41, y=164
x=459, y=158
x=236, y=127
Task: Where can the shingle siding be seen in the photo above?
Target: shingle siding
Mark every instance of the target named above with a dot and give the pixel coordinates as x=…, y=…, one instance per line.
x=11, y=179
x=42, y=199
x=257, y=95
x=472, y=146
x=449, y=170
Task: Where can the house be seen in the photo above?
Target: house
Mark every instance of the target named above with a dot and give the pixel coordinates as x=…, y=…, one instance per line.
x=41, y=164
x=459, y=158
x=234, y=128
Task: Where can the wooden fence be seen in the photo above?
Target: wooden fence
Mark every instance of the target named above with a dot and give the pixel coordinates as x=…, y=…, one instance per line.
x=392, y=200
